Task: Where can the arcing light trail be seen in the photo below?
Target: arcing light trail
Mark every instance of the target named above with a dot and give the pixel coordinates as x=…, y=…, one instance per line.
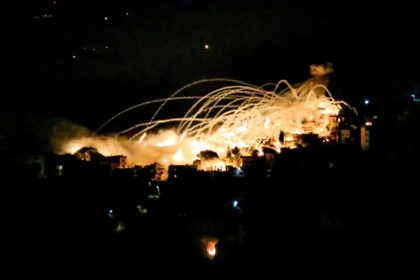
x=241, y=115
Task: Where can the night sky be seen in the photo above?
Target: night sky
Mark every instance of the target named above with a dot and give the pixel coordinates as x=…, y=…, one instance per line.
x=85, y=60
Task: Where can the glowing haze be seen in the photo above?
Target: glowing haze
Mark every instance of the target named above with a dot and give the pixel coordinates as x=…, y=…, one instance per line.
x=238, y=115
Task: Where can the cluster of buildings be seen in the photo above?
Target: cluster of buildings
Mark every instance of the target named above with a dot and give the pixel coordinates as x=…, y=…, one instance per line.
x=88, y=159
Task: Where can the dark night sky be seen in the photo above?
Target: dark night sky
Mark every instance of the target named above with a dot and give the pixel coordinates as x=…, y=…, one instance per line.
x=85, y=60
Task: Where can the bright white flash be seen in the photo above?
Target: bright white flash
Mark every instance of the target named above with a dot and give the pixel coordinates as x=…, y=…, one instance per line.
x=238, y=115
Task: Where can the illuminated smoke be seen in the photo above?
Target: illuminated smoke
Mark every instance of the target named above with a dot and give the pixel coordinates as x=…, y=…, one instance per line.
x=162, y=146
x=240, y=115
x=209, y=247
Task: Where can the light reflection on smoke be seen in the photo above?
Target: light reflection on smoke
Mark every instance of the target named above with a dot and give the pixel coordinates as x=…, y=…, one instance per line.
x=209, y=247
x=244, y=116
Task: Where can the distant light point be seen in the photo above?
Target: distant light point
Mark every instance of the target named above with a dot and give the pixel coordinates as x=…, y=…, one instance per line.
x=74, y=57
x=105, y=18
x=206, y=46
x=106, y=47
x=366, y=101
x=235, y=203
x=127, y=13
x=111, y=213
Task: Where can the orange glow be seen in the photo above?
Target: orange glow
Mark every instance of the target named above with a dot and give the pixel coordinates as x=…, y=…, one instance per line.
x=239, y=116
x=211, y=250
x=178, y=155
x=210, y=247
x=213, y=164
x=167, y=142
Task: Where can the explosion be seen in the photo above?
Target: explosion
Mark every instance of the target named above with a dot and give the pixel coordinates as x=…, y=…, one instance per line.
x=241, y=116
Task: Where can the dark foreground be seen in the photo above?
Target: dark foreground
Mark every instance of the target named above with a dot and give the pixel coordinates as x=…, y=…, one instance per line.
x=321, y=208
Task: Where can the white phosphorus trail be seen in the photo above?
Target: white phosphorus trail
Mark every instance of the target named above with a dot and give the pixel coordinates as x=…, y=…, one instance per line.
x=240, y=115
